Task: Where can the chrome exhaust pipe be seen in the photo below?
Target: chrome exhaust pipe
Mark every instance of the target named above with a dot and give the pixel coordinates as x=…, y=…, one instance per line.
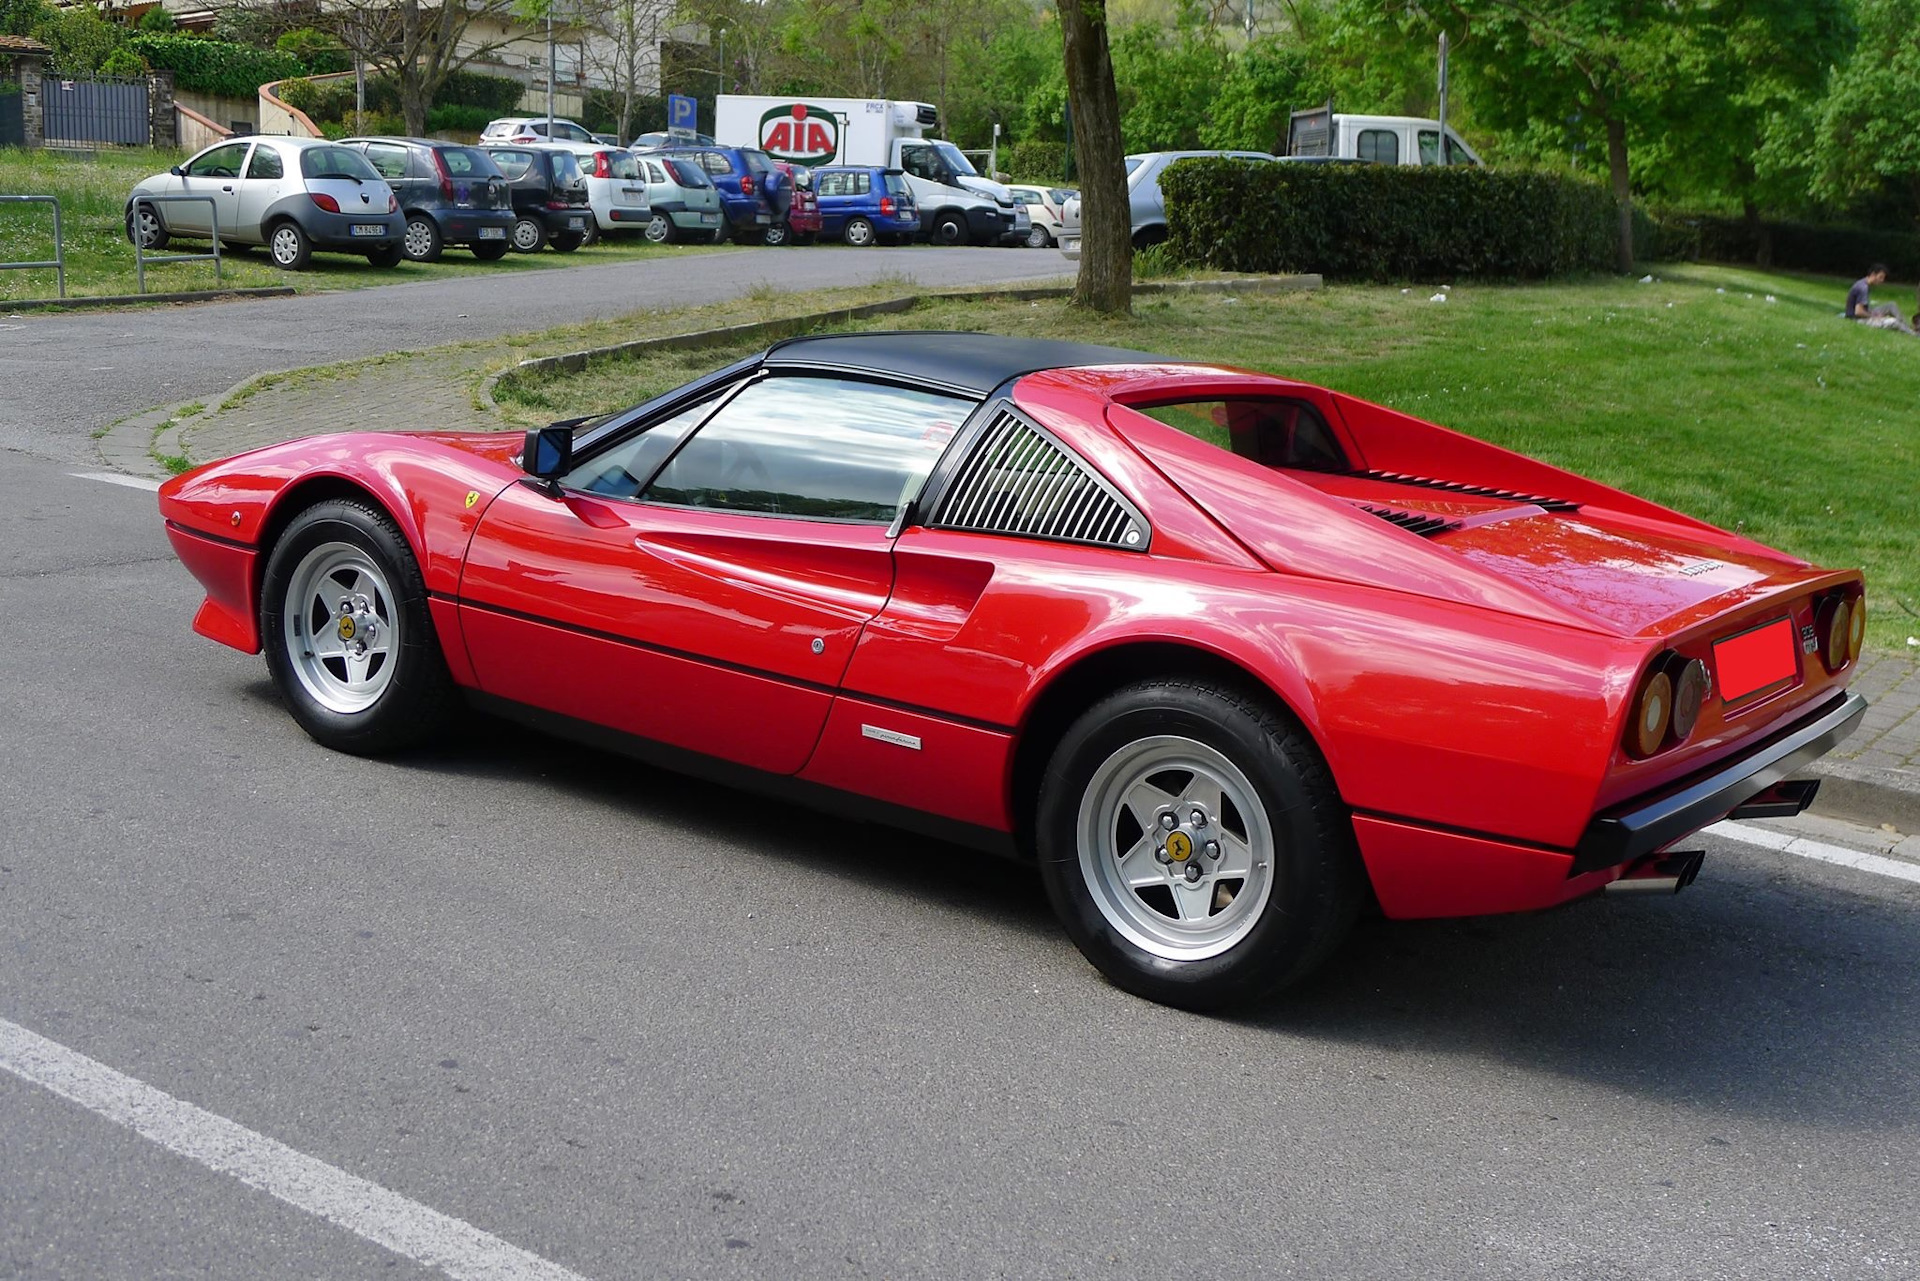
x=1660, y=873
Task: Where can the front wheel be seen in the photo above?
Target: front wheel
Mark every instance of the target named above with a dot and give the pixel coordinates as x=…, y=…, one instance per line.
x=145, y=229
x=528, y=236
x=349, y=641
x=1194, y=846
x=290, y=247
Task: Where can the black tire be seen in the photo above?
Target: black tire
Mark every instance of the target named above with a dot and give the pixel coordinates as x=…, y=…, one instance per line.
x=423, y=242
x=567, y=242
x=807, y=238
x=418, y=698
x=489, y=250
x=593, y=233
x=388, y=257
x=777, y=235
x=527, y=235
x=1039, y=239
x=660, y=230
x=287, y=242
x=147, y=216
x=948, y=228
x=858, y=232
x=1314, y=883
x=1148, y=237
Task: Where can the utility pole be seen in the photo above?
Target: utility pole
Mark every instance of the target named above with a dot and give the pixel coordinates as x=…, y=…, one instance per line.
x=1446, y=152
x=550, y=70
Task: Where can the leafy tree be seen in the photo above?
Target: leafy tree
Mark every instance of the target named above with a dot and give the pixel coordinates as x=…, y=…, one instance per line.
x=1869, y=128
x=1271, y=79
x=156, y=21
x=1015, y=78
x=1169, y=80
x=81, y=40
x=319, y=52
x=419, y=42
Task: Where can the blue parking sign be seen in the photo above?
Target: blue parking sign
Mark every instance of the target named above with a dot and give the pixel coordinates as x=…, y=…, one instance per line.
x=683, y=115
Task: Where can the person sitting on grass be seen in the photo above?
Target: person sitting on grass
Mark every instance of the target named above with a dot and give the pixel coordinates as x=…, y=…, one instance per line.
x=1860, y=306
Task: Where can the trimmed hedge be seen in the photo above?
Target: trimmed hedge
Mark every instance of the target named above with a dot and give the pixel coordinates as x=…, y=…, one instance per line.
x=1797, y=246
x=1044, y=162
x=466, y=101
x=215, y=67
x=1386, y=222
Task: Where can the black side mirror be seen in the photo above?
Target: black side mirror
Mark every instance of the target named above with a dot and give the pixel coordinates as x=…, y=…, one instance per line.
x=548, y=452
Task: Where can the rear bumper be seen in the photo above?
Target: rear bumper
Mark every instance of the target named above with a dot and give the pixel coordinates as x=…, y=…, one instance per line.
x=463, y=226
x=1649, y=823
x=561, y=222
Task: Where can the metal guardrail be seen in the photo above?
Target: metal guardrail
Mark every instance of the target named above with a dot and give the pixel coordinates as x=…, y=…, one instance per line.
x=140, y=256
x=59, y=263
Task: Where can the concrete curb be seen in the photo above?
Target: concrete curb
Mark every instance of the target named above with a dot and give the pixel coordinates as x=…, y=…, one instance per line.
x=130, y=300
x=785, y=326
x=1868, y=794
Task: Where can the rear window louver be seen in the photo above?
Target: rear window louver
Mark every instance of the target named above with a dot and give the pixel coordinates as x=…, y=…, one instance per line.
x=1472, y=491
x=1423, y=525
x=1019, y=480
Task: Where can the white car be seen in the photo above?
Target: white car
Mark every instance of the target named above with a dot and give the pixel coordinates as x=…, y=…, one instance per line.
x=1047, y=207
x=617, y=191
x=293, y=195
x=521, y=130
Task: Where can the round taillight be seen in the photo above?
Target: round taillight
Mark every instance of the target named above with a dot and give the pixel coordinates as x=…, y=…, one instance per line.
x=1857, y=631
x=1652, y=714
x=1689, y=695
x=1834, y=619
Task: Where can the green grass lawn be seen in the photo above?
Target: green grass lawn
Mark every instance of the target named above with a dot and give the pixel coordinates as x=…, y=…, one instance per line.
x=93, y=194
x=1775, y=418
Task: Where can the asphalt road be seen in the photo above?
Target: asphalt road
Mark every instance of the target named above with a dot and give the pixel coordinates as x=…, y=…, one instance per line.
x=63, y=376
x=644, y=1027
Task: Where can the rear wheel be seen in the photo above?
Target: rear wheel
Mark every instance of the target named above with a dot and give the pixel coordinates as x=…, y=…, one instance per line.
x=660, y=230
x=567, y=242
x=776, y=234
x=528, y=235
x=423, y=243
x=348, y=638
x=859, y=232
x=145, y=229
x=490, y=250
x=1194, y=846
x=289, y=246
x=593, y=233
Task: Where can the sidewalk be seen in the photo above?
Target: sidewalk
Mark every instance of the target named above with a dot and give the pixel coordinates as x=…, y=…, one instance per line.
x=1873, y=777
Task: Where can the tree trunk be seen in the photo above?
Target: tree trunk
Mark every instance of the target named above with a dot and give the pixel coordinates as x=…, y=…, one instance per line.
x=415, y=98
x=1105, y=283
x=1622, y=190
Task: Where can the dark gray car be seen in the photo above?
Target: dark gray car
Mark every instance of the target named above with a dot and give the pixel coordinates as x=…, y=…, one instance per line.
x=450, y=194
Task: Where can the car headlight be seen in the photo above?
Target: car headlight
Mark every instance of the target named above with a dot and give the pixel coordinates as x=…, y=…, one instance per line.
x=1652, y=714
x=1834, y=623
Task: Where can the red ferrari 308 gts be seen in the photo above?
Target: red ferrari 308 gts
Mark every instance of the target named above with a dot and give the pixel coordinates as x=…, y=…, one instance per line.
x=1228, y=655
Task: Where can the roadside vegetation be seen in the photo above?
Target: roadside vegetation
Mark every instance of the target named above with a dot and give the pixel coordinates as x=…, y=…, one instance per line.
x=1733, y=395
x=93, y=193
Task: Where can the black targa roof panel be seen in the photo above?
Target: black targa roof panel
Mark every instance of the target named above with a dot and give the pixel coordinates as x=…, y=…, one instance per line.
x=976, y=363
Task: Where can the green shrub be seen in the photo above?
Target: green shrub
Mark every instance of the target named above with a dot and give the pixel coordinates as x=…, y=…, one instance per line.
x=81, y=40
x=123, y=62
x=455, y=118
x=214, y=66
x=320, y=99
x=1043, y=162
x=1385, y=222
x=318, y=52
x=499, y=95
x=155, y=20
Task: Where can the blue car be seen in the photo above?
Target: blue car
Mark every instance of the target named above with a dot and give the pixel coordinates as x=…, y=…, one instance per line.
x=865, y=204
x=753, y=194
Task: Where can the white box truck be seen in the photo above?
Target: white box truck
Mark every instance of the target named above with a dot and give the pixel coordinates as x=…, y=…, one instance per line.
x=957, y=205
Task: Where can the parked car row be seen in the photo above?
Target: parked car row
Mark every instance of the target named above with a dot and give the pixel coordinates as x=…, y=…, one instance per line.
x=391, y=199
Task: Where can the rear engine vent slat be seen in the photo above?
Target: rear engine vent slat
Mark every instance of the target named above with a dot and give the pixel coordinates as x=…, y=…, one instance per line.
x=1021, y=481
x=1476, y=491
x=1424, y=525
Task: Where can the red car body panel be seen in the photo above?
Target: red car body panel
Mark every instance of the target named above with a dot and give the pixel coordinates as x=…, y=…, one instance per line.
x=1469, y=691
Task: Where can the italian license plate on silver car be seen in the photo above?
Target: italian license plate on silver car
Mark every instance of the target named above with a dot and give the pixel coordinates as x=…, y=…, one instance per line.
x=493, y=233
x=366, y=229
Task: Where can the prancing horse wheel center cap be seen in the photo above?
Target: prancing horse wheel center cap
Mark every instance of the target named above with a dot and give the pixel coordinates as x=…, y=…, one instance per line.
x=1179, y=846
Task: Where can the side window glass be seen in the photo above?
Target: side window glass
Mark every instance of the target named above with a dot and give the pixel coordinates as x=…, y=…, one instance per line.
x=1429, y=147
x=1379, y=146
x=1276, y=433
x=621, y=469
x=265, y=163
x=221, y=162
x=387, y=161
x=863, y=183
x=715, y=163
x=514, y=164
x=830, y=184
x=820, y=448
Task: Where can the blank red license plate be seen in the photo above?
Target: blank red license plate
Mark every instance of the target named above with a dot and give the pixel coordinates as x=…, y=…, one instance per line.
x=1753, y=660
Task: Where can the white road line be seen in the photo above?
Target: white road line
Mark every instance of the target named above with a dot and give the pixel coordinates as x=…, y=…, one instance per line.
x=115, y=478
x=386, y=1218
x=1839, y=855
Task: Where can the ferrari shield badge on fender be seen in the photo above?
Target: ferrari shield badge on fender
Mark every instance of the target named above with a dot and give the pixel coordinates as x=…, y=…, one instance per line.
x=473, y=496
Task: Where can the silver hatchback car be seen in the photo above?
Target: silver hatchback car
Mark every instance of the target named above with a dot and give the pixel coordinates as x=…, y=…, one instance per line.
x=293, y=195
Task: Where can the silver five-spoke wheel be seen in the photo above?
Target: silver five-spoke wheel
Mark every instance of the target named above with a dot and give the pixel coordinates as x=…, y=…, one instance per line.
x=1175, y=848
x=342, y=627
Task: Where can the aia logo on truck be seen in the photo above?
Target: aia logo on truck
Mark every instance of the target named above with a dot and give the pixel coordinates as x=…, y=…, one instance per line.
x=800, y=134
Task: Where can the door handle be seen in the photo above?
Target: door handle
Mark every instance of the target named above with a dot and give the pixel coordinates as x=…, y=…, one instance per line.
x=228, y=190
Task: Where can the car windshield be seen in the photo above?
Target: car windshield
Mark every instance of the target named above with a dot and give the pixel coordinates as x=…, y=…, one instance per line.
x=955, y=161
x=336, y=162
x=688, y=174
x=1276, y=433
